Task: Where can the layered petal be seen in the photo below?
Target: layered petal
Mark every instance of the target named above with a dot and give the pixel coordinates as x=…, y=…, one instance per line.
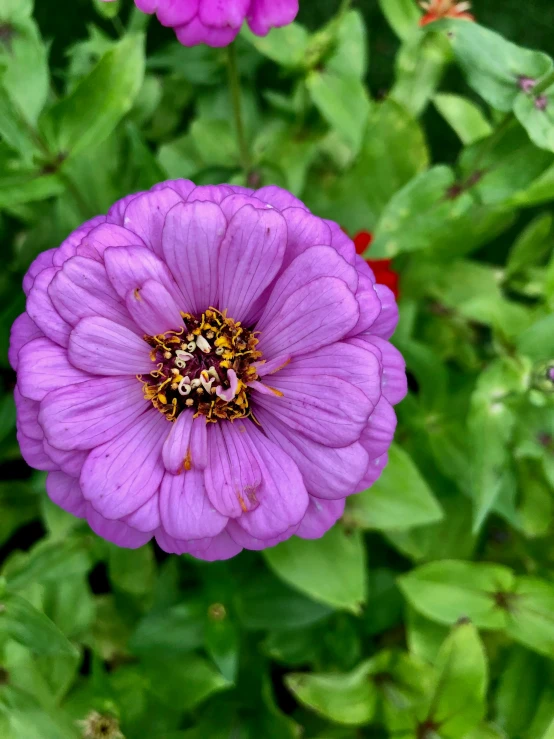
x=45, y=367
x=44, y=260
x=222, y=14
x=153, y=309
x=117, y=532
x=176, y=452
x=394, y=383
x=185, y=509
x=42, y=311
x=65, y=492
x=145, y=216
x=91, y=413
x=129, y=267
x=267, y=14
x=106, y=348
x=387, y=320
x=377, y=436
x=320, y=517
x=121, y=475
x=32, y=451
x=23, y=330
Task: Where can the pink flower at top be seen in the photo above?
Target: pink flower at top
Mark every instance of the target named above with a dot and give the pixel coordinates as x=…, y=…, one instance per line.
x=217, y=22
x=209, y=366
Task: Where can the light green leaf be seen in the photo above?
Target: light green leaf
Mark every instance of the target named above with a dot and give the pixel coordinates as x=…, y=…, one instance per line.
x=29, y=187
x=464, y=116
x=20, y=621
x=450, y=590
x=345, y=699
x=350, y=55
x=532, y=244
x=531, y=615
x=403, y=16
x=107, y=9
x=457, y=703
x=49, y=561
x=286, y=46
x=516, y=699
x=99, y=102
x=330, y=570
x=536, y=115
x=215, y=142
x=537, y=342
x=493, y=66
x=179, y=629
x=16, y=10
x=132, y=570
x=420, y=65
x=344, y=103
x=400, y=499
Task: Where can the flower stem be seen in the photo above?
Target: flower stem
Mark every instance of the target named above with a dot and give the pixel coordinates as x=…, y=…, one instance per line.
x=234, y=84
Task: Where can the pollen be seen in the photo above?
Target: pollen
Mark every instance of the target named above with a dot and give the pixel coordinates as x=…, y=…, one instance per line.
x=209, y=374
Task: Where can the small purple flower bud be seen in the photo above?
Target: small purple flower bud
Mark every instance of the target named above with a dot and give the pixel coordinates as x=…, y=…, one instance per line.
x=527, y=84
x=541, y=103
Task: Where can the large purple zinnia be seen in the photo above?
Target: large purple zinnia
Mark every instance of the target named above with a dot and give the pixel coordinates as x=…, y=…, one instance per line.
x=217, y=22
x=208, y=366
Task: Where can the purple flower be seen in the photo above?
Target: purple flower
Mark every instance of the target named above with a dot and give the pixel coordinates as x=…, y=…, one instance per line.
x=217, y=22
x=208, y=366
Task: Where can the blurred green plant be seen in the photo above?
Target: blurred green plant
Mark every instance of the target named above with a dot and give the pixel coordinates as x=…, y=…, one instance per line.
x=428, y=611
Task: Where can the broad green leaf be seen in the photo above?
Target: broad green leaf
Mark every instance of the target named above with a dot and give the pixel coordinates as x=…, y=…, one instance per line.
x=532, y=244
x=185, y=683
x=531, y=615
x=345, y=699
x=16, y=10
x=221, y=640
x=457, y=703
x=20, y=621
x=464, y=116
x=516, y=700
x=549, y=733
x=330, y=570
x=402, y=15
x=343, y=102
x=180, y=158
x=424, y=637
x=450, y=590
x=24, y=718
x=400, y=499
x=264, y=602
x=29, y=187
x=420, y=66
x=179, y=629
x=215, y=142
x=350, y=55
x=15, y=133
x=536, y=505
x=286, y=46
x=279, y=146
x=24, y=75
x=535, y=113
x=537, y=342
x=49, y=561
x=132, y=570
x=107, y=9
x=493, y=66
x=386, y=601
x=99, y=102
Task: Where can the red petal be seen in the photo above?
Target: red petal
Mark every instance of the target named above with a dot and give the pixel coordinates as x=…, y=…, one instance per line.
x=362, y=240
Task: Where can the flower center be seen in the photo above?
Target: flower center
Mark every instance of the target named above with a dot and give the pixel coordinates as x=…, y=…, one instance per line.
x=205, y=366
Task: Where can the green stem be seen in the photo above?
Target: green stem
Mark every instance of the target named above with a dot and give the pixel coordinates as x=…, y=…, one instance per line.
x=544, y=84
x=234, y=84
x=343, y=8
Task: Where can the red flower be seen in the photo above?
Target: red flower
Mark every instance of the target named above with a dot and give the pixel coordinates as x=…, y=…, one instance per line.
x=437, y=9
x=381, y=267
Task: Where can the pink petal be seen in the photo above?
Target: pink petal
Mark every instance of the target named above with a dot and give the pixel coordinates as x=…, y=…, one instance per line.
x=196, y=32
x=176, y=449
x=185, y=509
x=233, y=203
x=44, y=366
x=153, y=309
x=176, y=12
x=320, y=517
x=23, y=330
x=304, y=230
x=89, y=414
x=377, y=436
x=117, y=532
x=374, y=471
x=27, y=416
x=32, y=451
x=69, y=247
x=278, y=198
x=122, y=474
x=394, y=383
x=246, y=540
x=316, y=314
x=145, y=216
x=129, y=267
x=65, y=492
x=223, y=13
x=370, y=305
x=106, y=348
x=191, y=239
x=183, y=188
x=147, y=517
x=69, y=462
x=250, y=257
x=213, y=193
x=217, y=548
x=42, y=311
x=386, y=322
x=42, y=262
x=102, y=237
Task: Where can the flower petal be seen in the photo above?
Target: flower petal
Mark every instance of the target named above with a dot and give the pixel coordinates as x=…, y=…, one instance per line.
x=118, y=532
x=102, y=237
x=221, y=14
x=129, y=267
x=377, y=436
x=185, y=509
x=65, y=492
x=315, y=262
x=387, y=320
x=122, y=474
x=394, y=383
x=176, y=12
x=81, y=289
x=213, y=193
x=106, y=348
x=44, y=366
x=316, y=314
x=147, y=517
x=69, y=462
x=370, y=305
x=249, y=259
x=246, y=540
x=320, y=517
x=267, y=14
x=176, y=452
x=32, y=451
x=153, y=309
x=68, y=248
x=326, y=409
x=42, y=311
x=304, y=230
x=23, y=330
x=217, y=548
x=374, y=470
x=27, y=416
x=192, y=237
x=145, y=216
x=328, y=473
x=183, y=188
x=233, y=203
x=278, y=197
x=89, y=414
x=42, y=262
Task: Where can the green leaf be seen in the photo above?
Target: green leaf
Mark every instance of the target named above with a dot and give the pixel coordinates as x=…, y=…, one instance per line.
x=386, y=601
x=531, y=615
x=343, y=102
x=99, y=102
x=16, y=10
x=132, y=570
x=29, y=187
x=350, y=55
x=221, y=640
x=457, y=703
x=464, y=116
x=264, y=602
x=23, y=623
x=492, y=65
x=516, y=700
x=536, y=115
x=215, y=142
x=176, y=630
x=403, y=17
x=107, y=9
x=345, y=699
x=24, y=75
x=450, y=590
x=537, y=342
x=330, y=570
x=420, y=65
x=532, y=245
x=185, y=683
x=49, y=561
x=286, y=46
x=400, y=499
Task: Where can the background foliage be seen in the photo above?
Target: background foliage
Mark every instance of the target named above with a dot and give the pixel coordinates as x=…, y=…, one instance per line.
x=428, y=611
